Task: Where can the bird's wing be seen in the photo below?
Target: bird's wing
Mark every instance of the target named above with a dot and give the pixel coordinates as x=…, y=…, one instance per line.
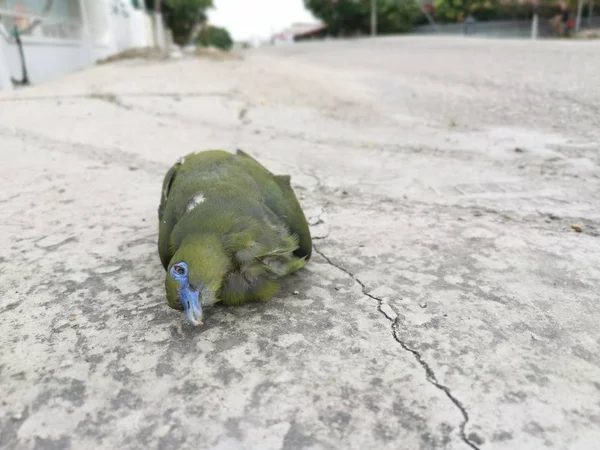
x=285, y=205
x=240, y=152
x=293, y=216
x=166, y=220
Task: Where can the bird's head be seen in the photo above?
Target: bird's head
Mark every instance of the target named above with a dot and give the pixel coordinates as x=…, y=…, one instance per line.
x=194, y=276
x=182, y=295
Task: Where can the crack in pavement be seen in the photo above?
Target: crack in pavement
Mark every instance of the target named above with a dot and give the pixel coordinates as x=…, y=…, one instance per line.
x=111, y=98
x=326, y=205
x=320, y=221
x=430, y=374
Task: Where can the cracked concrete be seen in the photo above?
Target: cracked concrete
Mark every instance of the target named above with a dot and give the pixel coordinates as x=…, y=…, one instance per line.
x=452, y=300
x=431, y=377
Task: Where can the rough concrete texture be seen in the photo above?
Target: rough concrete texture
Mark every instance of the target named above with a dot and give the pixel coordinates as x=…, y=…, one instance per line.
x=450, y=303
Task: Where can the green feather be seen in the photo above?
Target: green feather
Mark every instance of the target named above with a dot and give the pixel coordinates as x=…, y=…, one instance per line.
x=239, y=227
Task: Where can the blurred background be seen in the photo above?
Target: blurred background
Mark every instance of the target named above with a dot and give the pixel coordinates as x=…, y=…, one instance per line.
x=43, y=39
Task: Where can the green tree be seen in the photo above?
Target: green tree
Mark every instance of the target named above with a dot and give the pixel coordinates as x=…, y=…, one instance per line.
x=218, y=37
x=186, y=17
x=458, y=10
x=397, y=16
x=482, y=10
x=348, y=16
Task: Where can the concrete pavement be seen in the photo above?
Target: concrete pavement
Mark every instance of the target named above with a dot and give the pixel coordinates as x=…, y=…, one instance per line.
x=452, y=303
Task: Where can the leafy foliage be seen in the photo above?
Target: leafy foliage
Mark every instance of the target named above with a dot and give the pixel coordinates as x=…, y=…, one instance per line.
x=396, y=16
x=212, y=36
x=352, y=16
x=482, y=10
x=456, y=10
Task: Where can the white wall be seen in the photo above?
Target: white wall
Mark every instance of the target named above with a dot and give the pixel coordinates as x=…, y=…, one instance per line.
x=105, y=31
x=51, y=49
x=141, y=29
x=47, y=61
x=128, y=27
x=120, y=26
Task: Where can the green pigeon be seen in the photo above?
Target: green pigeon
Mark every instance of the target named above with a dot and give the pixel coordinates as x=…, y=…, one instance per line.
x=229, y=230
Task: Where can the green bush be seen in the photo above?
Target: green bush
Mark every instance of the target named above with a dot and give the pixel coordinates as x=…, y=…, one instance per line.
x=212, y=36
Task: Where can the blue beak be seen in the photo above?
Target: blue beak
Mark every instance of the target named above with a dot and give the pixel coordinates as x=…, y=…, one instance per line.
x=191, y=306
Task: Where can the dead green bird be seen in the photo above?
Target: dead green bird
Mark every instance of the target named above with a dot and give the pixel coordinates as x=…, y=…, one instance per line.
x=228, y=231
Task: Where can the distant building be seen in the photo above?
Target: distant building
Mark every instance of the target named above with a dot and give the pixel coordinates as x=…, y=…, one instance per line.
x=60, y=36
x=299, y=32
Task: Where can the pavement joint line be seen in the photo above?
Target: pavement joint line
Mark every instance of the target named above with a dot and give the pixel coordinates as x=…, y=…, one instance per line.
x=121, y=94
x=320, y=221
x=113, y=156
x=116, y=99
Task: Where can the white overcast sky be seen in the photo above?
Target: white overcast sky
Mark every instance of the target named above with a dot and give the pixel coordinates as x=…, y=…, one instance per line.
x=247, y=18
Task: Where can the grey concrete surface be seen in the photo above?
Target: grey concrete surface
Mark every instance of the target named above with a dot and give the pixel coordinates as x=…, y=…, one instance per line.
x=450, y=303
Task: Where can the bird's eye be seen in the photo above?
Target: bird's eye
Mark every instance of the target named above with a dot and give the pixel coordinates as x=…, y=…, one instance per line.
x=179, y=270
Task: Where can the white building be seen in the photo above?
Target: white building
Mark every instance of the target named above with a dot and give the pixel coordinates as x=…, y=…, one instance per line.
x=60, y=36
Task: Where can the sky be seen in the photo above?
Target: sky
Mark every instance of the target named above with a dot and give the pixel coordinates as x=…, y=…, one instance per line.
x=268, y=16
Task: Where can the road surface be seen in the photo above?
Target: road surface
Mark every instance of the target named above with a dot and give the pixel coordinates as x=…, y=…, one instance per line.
x=453, y=299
